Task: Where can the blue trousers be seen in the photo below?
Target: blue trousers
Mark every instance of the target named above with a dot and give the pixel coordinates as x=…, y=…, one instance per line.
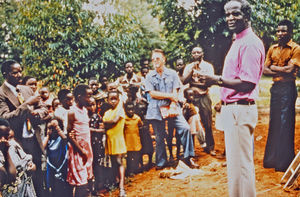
x=279, y=151
x=183, y=131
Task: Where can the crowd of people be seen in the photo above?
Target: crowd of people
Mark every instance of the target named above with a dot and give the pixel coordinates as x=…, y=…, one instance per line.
x=84, y=140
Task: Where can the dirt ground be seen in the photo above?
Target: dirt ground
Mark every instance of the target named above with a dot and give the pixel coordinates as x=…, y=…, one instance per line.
x=213, y=180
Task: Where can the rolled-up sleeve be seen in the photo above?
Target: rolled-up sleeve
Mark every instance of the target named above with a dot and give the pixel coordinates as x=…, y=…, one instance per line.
x=2, y=159
x=296, y=56
x=268, y=61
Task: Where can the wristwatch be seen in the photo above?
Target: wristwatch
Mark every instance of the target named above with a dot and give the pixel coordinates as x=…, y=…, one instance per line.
x=220, y=81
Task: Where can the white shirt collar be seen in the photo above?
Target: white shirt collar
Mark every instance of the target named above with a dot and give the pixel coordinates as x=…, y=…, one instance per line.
x=134, y=78
x=12, y=88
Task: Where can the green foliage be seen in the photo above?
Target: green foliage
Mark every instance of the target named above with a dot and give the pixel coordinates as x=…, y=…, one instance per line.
x=267, y=14
x=142, y=31
x=204, y=24
x=7, y=21
x=60, y=44
x=201, y=25
x=124, y=41
x=58, y=41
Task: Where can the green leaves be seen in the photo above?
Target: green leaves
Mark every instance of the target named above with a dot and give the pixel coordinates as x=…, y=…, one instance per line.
x=59, y=44
x=204, y=24
x=267, y=14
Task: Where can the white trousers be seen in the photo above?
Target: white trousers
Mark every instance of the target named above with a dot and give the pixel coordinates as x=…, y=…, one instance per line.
x=239, y=122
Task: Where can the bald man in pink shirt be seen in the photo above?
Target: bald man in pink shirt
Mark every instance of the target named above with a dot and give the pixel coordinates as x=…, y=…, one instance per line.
x=242, y=71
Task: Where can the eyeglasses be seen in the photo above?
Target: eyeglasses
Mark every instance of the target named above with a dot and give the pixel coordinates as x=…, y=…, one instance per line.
x=197, y=52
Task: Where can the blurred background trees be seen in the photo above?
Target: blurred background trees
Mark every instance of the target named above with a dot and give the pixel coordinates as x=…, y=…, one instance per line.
x=191, y=23
x=64, y=42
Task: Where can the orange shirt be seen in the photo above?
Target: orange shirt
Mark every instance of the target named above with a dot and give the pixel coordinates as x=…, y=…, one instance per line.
x=131, y=133
x=280, y=56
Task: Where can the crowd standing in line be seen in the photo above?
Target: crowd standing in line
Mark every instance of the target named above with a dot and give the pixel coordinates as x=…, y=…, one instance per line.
x=94, y=136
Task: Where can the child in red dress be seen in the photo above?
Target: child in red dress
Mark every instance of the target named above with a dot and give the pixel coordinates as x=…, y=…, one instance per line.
x=80, y=152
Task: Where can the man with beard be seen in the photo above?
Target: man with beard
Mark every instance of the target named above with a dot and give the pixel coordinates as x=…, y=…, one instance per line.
x=282, y=62
x=243, y=67
x=191, y=75
x=23, y=110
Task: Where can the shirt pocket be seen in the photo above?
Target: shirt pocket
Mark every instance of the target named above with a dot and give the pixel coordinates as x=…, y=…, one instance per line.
x=155, y=84
x=169, y=85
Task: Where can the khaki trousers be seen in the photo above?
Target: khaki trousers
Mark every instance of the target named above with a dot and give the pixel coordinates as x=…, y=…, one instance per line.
x=239, y=122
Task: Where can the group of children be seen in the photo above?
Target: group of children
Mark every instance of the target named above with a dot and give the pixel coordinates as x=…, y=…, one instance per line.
x=88, y=141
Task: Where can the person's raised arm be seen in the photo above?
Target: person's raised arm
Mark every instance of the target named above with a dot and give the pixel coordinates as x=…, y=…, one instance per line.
x=188, y=72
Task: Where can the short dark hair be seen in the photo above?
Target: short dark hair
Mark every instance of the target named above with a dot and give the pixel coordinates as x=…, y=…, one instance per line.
x=287, y=23
x=80, y=89
x=143, y=60
x=26, y=78
x=186, y=90
x=6, y=66
x=93, y=79
x=144, y=68
x=62, y=94
x=111, y=92
x=128, y=103
x=54, y=101
x=129, y=62
x=59, y=120
x=4, y=122
x=246, y=8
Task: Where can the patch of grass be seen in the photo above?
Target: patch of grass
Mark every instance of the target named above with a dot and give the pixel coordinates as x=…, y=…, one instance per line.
x=264, y=93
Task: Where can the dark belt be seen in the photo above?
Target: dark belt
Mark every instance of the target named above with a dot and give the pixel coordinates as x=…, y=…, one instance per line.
x=240, y=102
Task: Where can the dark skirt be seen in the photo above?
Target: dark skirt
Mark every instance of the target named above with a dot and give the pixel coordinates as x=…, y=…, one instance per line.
x=279, y=152
x=146, y=140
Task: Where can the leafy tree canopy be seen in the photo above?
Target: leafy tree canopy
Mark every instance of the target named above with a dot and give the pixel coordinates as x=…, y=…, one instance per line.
x=191, y=23
x=59, y=43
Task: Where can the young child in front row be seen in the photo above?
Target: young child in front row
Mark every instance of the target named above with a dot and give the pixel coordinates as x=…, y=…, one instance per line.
x=114, y=121
x=191, y=114
x=132, y=138
x=101, y=161
x=15, y=165
x=56, y=144
x=146, y=140
x=80, y=169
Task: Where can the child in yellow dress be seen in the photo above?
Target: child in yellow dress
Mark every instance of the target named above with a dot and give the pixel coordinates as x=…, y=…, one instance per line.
x=114, y=121
x=132, y=138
